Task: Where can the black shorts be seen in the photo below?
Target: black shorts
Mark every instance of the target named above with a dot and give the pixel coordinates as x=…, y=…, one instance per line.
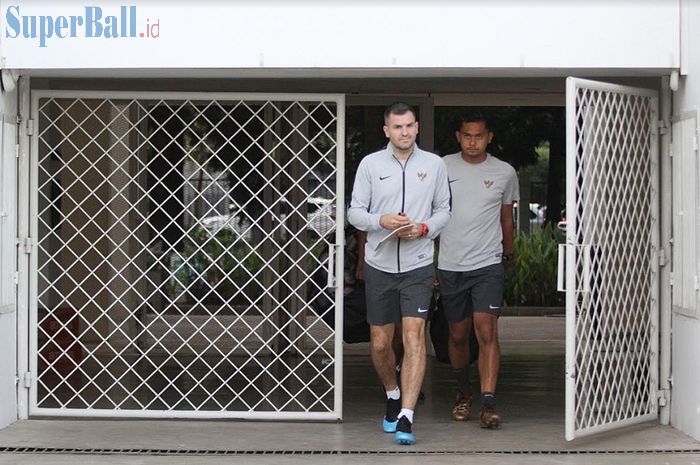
x=464, y=292
x=392, y=296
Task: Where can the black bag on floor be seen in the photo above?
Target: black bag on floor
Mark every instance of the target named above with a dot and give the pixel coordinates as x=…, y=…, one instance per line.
x=440, y=333
x=355, y=326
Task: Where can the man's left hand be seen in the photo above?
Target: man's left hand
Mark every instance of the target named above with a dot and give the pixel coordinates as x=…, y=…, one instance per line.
x=415, y=232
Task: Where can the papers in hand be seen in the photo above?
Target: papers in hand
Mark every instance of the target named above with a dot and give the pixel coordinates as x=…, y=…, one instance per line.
x=392, y=234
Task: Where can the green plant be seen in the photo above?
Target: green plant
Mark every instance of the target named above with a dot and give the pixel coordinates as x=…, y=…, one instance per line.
x=532, y=280
x=215, y=268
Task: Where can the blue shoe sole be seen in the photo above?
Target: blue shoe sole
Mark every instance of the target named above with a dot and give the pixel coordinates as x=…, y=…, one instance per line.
x=405, y=439
x=389, y=426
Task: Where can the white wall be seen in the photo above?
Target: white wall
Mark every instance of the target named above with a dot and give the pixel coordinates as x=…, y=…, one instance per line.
x=685, y=409
x=8, y=192
x=384, y=34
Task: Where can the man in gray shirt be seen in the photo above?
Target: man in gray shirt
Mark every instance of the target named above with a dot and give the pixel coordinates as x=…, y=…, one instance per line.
x=402, y=199
x=474, y=246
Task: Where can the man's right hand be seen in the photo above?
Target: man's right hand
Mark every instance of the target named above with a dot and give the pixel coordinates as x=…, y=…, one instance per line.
x=392, y=221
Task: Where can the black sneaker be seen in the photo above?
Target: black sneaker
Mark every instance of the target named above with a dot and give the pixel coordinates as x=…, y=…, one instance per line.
x=404, y=436
x=393, y=407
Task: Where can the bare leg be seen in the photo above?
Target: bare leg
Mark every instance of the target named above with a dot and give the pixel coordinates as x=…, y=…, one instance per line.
x=458, y=345
x=397, y=343
x=383, y=354
x=413, y=366
x=486, y=327
x=459, y=350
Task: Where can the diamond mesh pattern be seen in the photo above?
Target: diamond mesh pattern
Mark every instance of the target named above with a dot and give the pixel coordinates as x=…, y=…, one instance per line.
x=179, y=243
x=615, y=270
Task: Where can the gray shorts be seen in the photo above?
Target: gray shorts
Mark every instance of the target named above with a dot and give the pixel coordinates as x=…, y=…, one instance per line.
x=392, y=296
x=464, y=292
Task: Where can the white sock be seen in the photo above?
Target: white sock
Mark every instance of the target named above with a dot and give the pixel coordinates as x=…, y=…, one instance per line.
x=394, y=393
x=408, y=413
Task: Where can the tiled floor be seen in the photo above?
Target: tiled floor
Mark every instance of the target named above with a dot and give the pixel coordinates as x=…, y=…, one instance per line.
x=530, y=396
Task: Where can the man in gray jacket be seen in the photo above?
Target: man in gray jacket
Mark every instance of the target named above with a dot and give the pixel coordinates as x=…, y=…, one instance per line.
x=401, y=197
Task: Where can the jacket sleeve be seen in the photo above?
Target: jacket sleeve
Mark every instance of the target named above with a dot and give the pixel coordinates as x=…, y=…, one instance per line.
x=358, y=212
x=442, y=203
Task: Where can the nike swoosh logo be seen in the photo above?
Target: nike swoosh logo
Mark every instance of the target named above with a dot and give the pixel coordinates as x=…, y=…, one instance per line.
x=382, y=178
x=491, y=307
x=420, y=310
x=450, y=181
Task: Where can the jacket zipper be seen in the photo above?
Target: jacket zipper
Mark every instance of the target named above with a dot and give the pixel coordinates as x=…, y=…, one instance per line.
x=403, y=206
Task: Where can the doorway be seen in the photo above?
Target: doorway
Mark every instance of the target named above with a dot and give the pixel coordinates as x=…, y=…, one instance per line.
x=612, y=364
x=533, y=346
x=444, y=386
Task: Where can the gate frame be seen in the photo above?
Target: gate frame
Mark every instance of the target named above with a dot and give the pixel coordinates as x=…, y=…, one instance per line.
x=27, y=329
x=24, y=376
x=572, y=83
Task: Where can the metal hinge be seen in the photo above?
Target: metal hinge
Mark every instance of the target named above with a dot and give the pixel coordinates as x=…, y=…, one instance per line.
x=663, y=129
x=16, y=150
x=697, y=283
x=16, y=278
x=27, y=380
x=25, y=244
x=26, y=129
x=661, y=395
x=662, y=257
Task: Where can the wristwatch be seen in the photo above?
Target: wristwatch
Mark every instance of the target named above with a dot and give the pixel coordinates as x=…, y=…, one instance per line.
x=507, y=257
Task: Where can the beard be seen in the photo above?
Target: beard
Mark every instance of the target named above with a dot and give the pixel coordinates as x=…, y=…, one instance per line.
x=405, y=144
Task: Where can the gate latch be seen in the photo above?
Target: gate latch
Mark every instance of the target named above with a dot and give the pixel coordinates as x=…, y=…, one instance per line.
x=26, y=245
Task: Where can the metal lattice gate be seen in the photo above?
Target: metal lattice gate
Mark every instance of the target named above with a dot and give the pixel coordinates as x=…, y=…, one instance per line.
x=612, y=244
x=183, y=258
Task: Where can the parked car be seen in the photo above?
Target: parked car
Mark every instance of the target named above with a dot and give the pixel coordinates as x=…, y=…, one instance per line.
x=233, y=220
x=561, y=224
x=537, y=214
x=320, y=218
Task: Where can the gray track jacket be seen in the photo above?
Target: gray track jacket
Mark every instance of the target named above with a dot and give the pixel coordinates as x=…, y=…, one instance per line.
x=384, y=185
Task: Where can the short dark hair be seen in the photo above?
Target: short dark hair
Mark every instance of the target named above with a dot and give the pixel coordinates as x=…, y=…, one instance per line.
x=473, y=117
x=398, y=108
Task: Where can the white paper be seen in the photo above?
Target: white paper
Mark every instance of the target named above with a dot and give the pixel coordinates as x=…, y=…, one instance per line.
x=394, y=233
